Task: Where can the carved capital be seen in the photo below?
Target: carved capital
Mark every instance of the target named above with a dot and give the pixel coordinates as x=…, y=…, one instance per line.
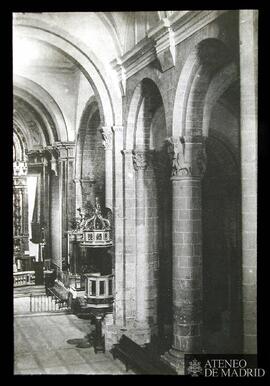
x=140, y=159
x=36, y=156
x=188, y=156
x=65, y=149
x=107, y=134
x=176, y=150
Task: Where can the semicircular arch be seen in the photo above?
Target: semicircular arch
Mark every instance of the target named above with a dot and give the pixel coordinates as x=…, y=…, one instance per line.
x=106, y=87
x=146, y=87
x=189, y=74
x=27, y=88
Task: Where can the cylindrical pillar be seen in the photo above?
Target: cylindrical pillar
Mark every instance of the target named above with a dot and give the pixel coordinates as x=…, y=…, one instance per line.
x=188, y=166
x=78, y=193
x=248, y=30
x=140, y=163
x=66, y=191
x=129, y=240
x=55, y=221
x=119, y=263
x=186, y=264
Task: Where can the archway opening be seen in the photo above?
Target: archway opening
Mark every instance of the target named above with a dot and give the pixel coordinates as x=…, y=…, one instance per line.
x=221, y=193
x=146, y=135
x=31, y=226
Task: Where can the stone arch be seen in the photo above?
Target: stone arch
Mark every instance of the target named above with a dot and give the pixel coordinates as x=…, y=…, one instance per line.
x=212, y=55
x=105, y=86
x=221, y=241
x=219, y=84
x=132, y=115
x=19, y=147
x=19, y=126
x=209, y=54
x=151, y=195
x=36, y=122
x=151, y=74
x=108, y=21
x=90, y=108
x=146, y=91
x=90, y=156
x=36, y=94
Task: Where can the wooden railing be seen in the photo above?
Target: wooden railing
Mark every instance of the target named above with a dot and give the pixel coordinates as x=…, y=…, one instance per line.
x=23, y=278
x=47, y=303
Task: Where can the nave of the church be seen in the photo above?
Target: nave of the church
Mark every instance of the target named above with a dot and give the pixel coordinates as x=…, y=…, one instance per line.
x=134, y=189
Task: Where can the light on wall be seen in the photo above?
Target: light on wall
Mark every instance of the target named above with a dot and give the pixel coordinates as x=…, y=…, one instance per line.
x=25, y=52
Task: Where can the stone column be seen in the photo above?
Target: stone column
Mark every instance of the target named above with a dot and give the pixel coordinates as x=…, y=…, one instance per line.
x=129, y=235
x=67, y=189
x=140, y=162
x=78, y=193
x=45, y=202
x=248, y=30
x=151, y=234
x=115, y=326
x=119, y=258
x=55, y=209
x=20, y=193
x=25, y=230
x=188, y=165
x=163, y=195
x=107, y=136
x=38, y=164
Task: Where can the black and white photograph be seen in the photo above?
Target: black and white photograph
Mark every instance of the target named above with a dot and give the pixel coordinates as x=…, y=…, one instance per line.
x=135, y=149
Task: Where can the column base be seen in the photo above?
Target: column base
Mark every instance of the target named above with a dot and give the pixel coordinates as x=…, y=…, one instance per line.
x=175, y=359
x=139, y=332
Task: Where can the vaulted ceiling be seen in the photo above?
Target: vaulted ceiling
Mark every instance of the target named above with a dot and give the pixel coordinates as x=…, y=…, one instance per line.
x=105, y=35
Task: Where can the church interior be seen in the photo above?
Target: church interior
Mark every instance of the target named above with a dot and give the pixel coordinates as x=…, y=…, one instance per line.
x=134, y=184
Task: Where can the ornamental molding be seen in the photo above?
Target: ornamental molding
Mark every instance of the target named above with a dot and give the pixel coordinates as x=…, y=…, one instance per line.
x=163, y=37
x=186, y=23
x=160, y=43
x=133, y=61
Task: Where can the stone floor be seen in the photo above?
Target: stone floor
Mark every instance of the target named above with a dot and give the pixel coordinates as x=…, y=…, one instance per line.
x=41, y=346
